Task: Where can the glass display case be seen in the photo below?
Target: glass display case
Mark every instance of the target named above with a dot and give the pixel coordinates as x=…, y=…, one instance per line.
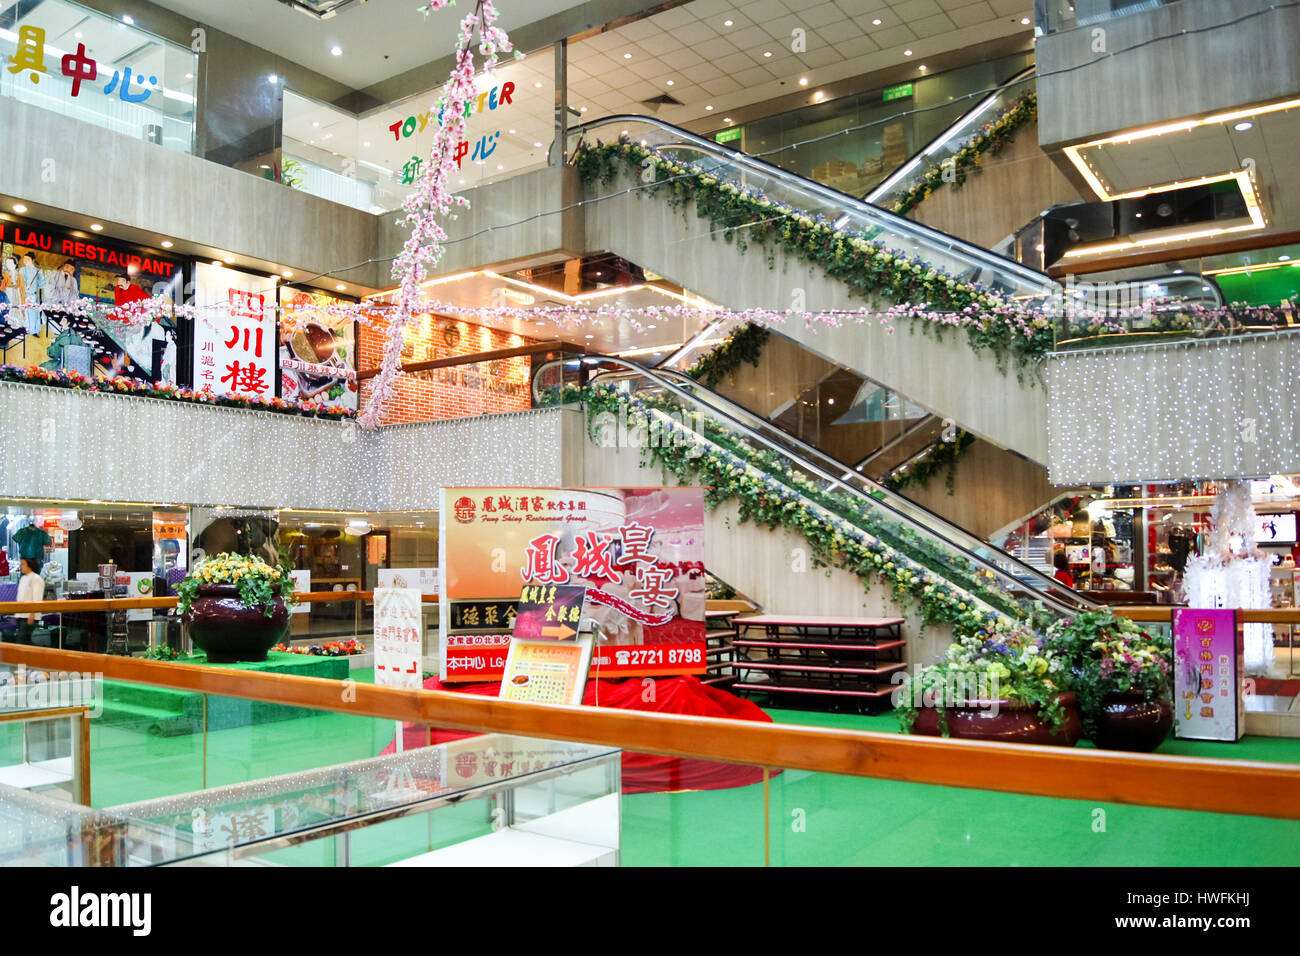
x=486, y=800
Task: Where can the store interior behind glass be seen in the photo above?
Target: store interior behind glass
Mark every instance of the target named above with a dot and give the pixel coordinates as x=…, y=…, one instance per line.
x=150, y=544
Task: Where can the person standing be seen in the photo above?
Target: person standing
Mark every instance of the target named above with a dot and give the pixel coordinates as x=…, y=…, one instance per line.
x=31, y=587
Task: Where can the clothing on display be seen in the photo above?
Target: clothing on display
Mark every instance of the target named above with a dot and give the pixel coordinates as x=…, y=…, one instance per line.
x=31, y=542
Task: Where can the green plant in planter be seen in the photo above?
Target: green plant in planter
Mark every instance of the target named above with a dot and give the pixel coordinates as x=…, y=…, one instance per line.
x=1109, y=654
x=257, y=582
x=1005, y=662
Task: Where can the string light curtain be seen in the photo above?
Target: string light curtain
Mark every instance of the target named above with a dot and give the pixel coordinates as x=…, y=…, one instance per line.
x=85, y=445
x=1218, y=408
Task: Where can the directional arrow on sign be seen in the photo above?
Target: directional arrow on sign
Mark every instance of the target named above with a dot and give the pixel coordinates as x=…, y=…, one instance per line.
x=560, y=631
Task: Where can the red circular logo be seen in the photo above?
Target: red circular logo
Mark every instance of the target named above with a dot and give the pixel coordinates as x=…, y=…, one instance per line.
x=464, y=510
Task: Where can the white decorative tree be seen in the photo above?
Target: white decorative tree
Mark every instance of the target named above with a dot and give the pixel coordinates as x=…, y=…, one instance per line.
x=1233, y=572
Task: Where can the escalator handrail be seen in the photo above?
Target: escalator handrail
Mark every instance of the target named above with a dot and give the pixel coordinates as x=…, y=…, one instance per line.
x=1048, y=590
x=966, y=117
x=984, y=258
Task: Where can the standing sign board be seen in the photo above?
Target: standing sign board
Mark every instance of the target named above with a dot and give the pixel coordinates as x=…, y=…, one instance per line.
x=548, y=657
x=397, y=638
x=1207, y=666
x=638, y=552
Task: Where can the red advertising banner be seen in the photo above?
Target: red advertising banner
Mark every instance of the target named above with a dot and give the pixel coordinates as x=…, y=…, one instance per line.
x=639, y=552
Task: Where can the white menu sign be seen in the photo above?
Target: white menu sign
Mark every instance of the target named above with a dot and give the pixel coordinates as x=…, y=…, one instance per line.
x=397, y=640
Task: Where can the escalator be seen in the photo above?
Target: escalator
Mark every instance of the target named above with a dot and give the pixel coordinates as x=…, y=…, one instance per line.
x=675, y=408
x=893, y=190
x=940, y=373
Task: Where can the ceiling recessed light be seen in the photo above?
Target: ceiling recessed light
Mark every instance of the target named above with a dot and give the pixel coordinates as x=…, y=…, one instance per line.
x=127, y=20
x=19, y=207
x=1178, y=272
x=366, y=143
x=341, y=287
x=95, y=227
x=727, y=23
x=273, y=79
x=512, y=132
x=624, y=133
x=217, y=263
x=166, y=243
x=229, y=260
x=336, y=50
x=907, y=53
x=538, y=84
x=726, y=119
x=627, y=56
x=708, y=108
x=819, y=94
x=876, y=22
x=315, y=123
x=922, y=67
x=499, y=166
x=582, y=109
x=767, y=53
x=1243, y=126
x=1283, y=258
x=537, y=145
x=1024, y=21
x=803, y=81
x=287, y=274
x=670, y=82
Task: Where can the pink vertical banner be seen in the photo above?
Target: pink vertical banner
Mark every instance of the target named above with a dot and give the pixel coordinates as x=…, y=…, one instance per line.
x=1207, y=666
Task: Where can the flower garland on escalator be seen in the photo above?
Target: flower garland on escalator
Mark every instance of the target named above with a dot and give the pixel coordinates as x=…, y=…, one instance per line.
x=940, y=454
x=953, y=170
x=742, y=214
x=744, y=344
x=841, y=533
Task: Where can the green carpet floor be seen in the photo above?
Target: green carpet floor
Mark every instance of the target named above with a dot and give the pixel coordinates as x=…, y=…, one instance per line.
x=816, y=819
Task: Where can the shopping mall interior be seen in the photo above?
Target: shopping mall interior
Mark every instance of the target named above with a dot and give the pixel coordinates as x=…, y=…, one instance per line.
x=870, y=423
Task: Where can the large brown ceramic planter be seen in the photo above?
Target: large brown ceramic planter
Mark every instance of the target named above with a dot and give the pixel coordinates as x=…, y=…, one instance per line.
x=1014, y=723
x=228, y=630
x=1131, y=722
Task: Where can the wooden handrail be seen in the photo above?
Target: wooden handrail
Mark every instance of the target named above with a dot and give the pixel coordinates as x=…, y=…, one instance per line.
x=1183, y=783
x=1164, y=613
x=555, y=345
x=76, y=606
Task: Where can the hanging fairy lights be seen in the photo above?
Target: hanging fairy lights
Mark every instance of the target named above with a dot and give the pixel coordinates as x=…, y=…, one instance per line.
x=1186, y=411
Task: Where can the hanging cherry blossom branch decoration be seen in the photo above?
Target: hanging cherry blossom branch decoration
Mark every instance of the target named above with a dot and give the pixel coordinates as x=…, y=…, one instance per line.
x=431, y=199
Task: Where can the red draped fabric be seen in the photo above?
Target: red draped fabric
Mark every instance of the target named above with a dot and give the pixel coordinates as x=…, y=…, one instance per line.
x=642, y=773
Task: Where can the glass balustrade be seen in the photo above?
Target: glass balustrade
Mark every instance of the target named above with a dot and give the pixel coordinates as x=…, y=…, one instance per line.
x=75, y=61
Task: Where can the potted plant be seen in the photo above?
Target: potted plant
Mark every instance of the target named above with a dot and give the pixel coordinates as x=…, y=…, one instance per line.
x=1003, y=683
x=236, y=606
x=1121, y=677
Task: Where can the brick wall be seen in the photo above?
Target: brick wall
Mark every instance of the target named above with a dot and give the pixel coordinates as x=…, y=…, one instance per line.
x=457, y=391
